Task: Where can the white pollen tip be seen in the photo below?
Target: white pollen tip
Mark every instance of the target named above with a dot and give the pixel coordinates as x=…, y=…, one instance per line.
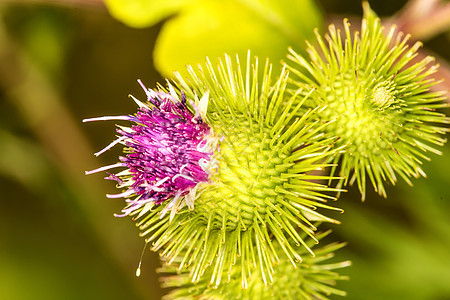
x=112, y=144
x=172, y=91
x=138, y=102
x=121, y=195
x=203, y=104
x=107, y=118
x=105, y=168
x=142, y=85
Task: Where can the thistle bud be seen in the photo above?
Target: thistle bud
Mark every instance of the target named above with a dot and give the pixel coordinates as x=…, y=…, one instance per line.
x=386, y=116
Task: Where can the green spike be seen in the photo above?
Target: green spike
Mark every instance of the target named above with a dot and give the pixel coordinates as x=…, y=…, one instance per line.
x=314, y=278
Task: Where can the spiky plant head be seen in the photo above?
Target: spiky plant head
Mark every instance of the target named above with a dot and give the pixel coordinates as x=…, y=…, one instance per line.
x=220, y=166
x=380, y=98
x=313, y=279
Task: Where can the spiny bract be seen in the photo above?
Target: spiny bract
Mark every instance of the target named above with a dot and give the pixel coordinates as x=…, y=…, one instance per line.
x=261, y=157
x=386, y=114
x=313, y=279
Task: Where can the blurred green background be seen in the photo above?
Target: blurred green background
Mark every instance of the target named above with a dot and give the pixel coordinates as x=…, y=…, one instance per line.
x=63, y=61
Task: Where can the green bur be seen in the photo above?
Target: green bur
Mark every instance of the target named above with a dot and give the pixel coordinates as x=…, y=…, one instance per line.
x=386, y=116
x=312, y=279
x=264, y=193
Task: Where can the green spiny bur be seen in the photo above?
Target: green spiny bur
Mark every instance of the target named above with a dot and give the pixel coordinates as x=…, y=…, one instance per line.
x=262, y=194
x=386, y=116
x=314, y=278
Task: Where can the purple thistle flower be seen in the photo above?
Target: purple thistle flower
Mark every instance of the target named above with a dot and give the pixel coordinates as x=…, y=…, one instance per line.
x=246, y=160
x=169, y=153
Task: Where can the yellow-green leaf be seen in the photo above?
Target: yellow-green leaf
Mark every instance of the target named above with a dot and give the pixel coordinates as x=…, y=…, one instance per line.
x=212, y=28
x=143, y=13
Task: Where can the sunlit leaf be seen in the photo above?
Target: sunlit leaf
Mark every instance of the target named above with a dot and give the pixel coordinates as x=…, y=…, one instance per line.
x=212, y=28
x=143, y=13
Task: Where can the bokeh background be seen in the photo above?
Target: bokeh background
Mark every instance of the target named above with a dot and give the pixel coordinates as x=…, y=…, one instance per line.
x=62, y=61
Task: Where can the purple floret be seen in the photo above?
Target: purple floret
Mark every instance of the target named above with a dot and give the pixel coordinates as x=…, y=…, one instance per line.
x=167, y=151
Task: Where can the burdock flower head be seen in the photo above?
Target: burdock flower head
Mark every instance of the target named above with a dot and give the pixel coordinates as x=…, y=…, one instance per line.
x=385, y=113
x=168, y=153
x=229, y=154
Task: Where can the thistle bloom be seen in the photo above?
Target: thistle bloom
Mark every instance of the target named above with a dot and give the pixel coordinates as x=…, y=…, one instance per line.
x=243, y=154
x=384, y=110
x=168, y=156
